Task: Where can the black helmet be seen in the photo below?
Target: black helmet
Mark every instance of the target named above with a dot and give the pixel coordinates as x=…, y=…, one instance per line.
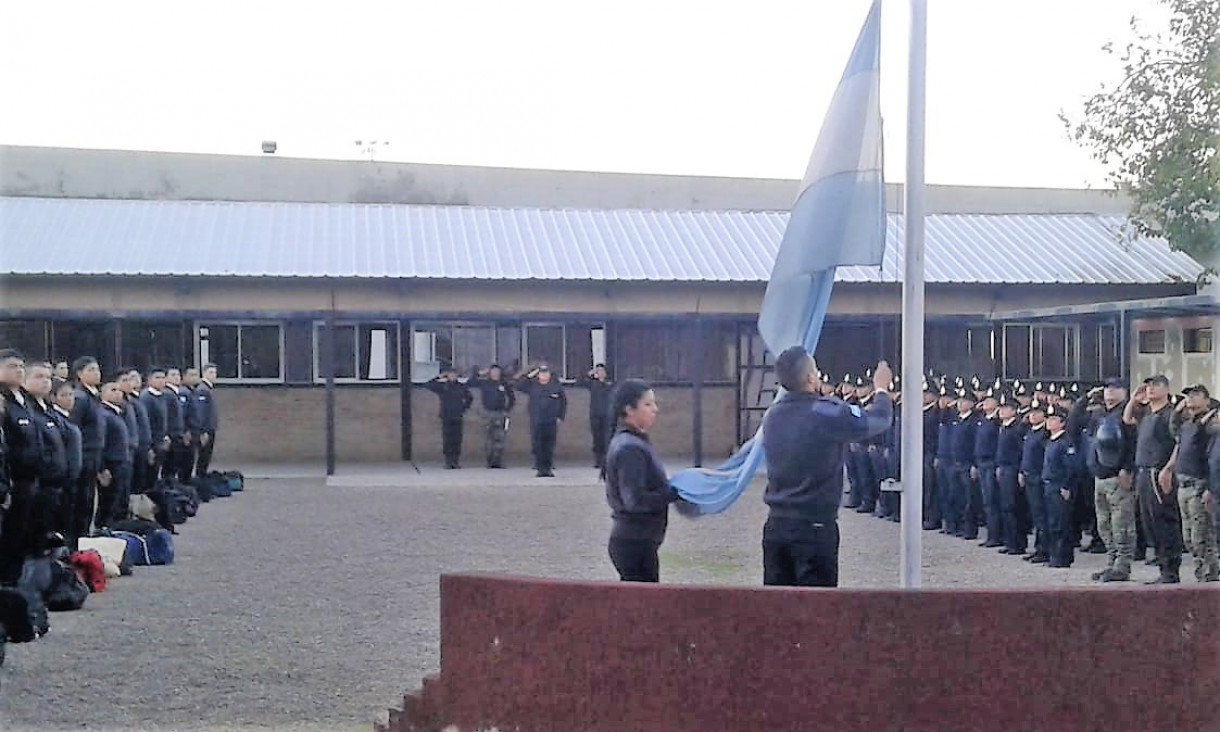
x=1109, y=443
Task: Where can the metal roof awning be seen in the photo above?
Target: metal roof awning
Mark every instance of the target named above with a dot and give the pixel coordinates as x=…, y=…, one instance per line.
x=1182, y=305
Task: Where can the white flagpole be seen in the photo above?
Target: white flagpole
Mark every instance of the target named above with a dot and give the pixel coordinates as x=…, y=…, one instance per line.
x=913, y=307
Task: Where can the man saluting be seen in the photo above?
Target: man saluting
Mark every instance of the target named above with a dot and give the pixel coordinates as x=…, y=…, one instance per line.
x=803, y=439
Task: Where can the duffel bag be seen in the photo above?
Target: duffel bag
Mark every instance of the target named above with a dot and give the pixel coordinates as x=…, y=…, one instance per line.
x=220, y=485
x=113, y=550
x=33, y=584
x=142, y=507
x=237, y=481
x=89, y=565
x=155, y=547
x=15, y=616
x=203, y=488
x=68, y=591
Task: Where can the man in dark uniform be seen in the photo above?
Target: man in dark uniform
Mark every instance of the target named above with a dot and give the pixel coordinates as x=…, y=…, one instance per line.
x=207, y=418
x=114, y=484
x=1007, y=471
x=872, y=461
x=986, y=433
x=23, y=437
x=190, y=419
x=1150, y=412
x=931, y=431
x=1033, y=458
x=1110, y=458
x=48, y=496
x=961, y=432
x=179, y=435
x=1058, y=467
x=63, y=396
x=144, y=458
x=599, y=386
x=86, y=415
x=155, y=406
x=455, y=399
x=889, y=503
x=803, y=440
x=856, y=458
x=548, y=407
x=946, y=411
x=496, y=397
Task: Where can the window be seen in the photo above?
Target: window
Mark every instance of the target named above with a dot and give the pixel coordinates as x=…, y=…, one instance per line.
x=97, y=338
x=1107, y=344
x=663, y=352
x=148, y=343
x=1197, y=340
x=544, y=343
x=27, y=336
x=1152, y=341
x=1041, y=351
x=363, y=351
x=462, y=346
x=1017, y=362
x=251, y=352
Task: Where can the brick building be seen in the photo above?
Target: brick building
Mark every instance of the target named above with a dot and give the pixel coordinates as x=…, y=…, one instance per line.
x=141, y=258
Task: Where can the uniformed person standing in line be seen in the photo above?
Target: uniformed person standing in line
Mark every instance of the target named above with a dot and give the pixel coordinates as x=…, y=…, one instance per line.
x=144, y=458
x=873, y=458
x=1033, y=458
x=208, y=417
x=1058, y=466
x=455, y=399
x=931, y=430
x=961, y=430
x=1195, y=425
x=53, y=477
x=155, y=406
x=889, y=503
x=803, y=439
x=62, y=371
x=1007, y=470
x=548, y=406
x=179, y=435
x=855, y=451
x=496, y=398
x=86, y=414
x=986, y=434
x=1151, y=413
x=23, y=438
x=114, y=484
x=946, y=411
x=190, y=418
x=63, y=394
x=599, y=386
x=1110, y=458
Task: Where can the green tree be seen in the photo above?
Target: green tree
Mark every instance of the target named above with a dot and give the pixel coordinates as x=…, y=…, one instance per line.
x=1157, y=131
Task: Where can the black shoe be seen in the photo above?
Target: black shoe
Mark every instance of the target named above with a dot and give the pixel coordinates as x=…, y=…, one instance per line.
x=930, y=527
x=1005, y=550
x=1112, y=576
x=540, y=474
x=1152, y=562
x=548, y=473
x=894, y=518
x=970, y=537
x=851, y=506
x=1165, y=579
x=1095, y=548
x=865, y=509
x=991, y=544
x=1039, y=559
x=1059, y=564
x=1098, y=576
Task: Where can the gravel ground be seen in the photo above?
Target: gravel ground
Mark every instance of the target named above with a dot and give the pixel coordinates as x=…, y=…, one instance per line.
x=295, y=606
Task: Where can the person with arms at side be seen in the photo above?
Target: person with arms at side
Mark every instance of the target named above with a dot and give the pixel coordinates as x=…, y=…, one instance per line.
x=1007, y=471
x=961, y=434
x=1194, y=426
x=114, y=484
x=190, y=419
x=804, y=436
x=86, y=414
x=637, y=488
x=547, y=409
x=1151, y=413
x=175, y=414
x=931, y=433
x=598, y=383
x=63, y=395
x=207, y=418
x=154, y=401
x=986, y=435
x=1058, y=467
x=23, y=437
x=1033, y=458
x=496, y=397
x=1110, y=459
x=455, y=398
x=144, y=458
x=49, y=495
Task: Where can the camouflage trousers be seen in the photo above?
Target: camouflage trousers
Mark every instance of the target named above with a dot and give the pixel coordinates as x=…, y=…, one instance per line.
x=1115, y=507
x=496, y=425
x=1198, y=529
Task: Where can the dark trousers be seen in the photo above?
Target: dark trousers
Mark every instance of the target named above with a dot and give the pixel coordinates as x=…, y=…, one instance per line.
x=944, y=493
x=141, y=471
x=84, y=496
x=879, y=469
x=931, y=504
x=1162, y=521
x=993, y=507
x=1037, y=510
x=1084, y=507
x=1059, y=544
x=543, y=436
x=963, y=502
x=862, y=465
x=635, y=559
x=800, y=553
x=1013, y=524
x=182, y=460
x=113, y=500
x=203, y=456
x=451, y=440
x=599, y=428
x=17, y=530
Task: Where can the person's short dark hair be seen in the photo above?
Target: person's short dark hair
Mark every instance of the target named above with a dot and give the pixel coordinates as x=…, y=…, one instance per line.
x=1199, y=388
x=7, y=354
x=59, y=385
x=154, y=370
x=83, y=363
x=207, y=366
x=1116, y=383
x=793, y=367
x=1159, y=379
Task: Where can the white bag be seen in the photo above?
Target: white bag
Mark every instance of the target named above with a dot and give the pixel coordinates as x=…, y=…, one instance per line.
x=109, y=548
x=142, y=507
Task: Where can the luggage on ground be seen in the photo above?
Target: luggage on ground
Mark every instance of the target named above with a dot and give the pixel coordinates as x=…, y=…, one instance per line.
x=68, y=591
x=89, y=566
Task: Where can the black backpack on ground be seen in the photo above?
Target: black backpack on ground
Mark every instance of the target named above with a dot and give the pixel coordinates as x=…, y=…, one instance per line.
x=139, y=527
x=35, y=581
x=67, y=591
x=15, y=623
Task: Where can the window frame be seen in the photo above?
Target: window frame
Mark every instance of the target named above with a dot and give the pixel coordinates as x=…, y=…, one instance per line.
x=240, y=323
x=1071, y=355
x=528, y=362
x=319, y=325
x=1139, y=342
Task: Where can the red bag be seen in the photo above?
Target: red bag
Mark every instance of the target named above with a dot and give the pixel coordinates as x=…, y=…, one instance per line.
x=88, y=566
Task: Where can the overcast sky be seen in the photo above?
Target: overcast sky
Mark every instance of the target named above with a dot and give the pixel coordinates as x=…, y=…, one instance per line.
x=656, y=86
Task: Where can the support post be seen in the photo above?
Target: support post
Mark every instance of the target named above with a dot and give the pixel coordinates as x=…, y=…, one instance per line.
x=913, y=308
x=404, y=387
x=697, y=412
x=328, y=368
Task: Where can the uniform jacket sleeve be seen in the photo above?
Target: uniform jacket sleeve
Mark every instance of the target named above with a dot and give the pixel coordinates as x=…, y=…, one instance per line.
x=847, y=423
x=637, y=496
x=563, y=403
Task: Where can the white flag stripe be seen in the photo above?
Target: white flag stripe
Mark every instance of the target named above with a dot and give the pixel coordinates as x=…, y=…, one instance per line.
x=846, y=145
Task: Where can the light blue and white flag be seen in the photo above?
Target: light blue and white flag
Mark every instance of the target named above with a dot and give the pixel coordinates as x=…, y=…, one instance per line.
x=838, y=219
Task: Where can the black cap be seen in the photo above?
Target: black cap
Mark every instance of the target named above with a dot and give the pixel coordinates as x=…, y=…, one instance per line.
x=1116, y=383
x=1199, y=388
x=543, y=368
x=1158, y=379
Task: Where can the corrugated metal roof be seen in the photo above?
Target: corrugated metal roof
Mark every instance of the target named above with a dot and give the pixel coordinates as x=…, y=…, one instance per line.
x=43, y=236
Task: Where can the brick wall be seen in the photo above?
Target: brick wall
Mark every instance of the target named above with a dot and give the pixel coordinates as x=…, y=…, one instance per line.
x=287, y=424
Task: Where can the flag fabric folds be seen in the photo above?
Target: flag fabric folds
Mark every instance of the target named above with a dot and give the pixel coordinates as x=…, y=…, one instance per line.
x=838, y=219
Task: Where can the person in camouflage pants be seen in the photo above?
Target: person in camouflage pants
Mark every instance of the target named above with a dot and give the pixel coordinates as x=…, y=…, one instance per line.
x=497, y=435
x=1199, y=529
x=1115, y=507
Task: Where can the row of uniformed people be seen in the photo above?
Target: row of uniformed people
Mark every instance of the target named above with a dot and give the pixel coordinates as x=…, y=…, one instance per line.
x=547, y=409
x=71, y=452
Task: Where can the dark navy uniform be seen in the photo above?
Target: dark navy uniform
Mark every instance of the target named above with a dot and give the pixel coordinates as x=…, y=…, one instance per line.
x=176, y=426
x=1162, y=519
x=599, y=415
x=1007, y=467
x=1058, y=469
x=154, y=403
x=141, y=468
x=945, y=467
x=638, y=493
x=86, y=415
x=112, y=499
x=206, y=420
x=548, y=406
x=455, y=399
x=187, y=446
x=23, y=431
x=53, y=478
x=986, y=433
x=1033, y=453
x=931, y=434
x=961, y=436
x=70, y=434
x=803, y=438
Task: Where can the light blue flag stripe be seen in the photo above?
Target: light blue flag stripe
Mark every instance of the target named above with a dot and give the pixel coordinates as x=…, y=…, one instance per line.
x=838, y=219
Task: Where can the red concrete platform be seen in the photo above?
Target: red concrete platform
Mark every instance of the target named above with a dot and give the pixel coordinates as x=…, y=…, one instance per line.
x=548, y=656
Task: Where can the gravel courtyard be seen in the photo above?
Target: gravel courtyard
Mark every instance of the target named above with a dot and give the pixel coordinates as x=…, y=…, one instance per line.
x=298, y=606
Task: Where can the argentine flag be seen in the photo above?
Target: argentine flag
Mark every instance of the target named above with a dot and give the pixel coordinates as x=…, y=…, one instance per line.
x=838, y=219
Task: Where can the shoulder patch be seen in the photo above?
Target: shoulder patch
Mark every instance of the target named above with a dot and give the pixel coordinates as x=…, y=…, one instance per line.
x=855, y=411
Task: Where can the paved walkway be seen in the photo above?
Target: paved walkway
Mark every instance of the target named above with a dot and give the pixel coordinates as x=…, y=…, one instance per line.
x=302, y=606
